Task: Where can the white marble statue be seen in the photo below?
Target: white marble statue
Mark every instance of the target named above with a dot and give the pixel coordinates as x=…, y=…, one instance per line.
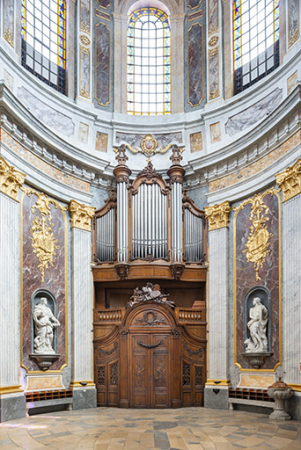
x=44, y=323
x=258, y=342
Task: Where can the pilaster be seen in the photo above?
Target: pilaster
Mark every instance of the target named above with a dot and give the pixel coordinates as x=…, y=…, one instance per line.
x=12, y=400
x=84, y=392
x=216, y=389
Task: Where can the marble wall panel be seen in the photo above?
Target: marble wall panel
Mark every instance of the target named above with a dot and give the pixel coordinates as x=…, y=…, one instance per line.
x=84, y=82
x=101, y=142
x=49, y=116
x=195, y=64
x=215, y=132
x=54, y=281
x=9, y=80
x=214, y=73
x=163, y=139
x=8, y=21
x=269, y=276
x=196, y=142
x=102, y=64
x=83, y=132
x=293, y=21
x=193, y=4
x=85, y=21
x=104, y=3
x=254, y=113
x=212, y=17
x=292, y=82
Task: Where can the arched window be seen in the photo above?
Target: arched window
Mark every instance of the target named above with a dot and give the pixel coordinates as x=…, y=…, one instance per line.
x=148, y=67
x=43, y=30
x=256, y=40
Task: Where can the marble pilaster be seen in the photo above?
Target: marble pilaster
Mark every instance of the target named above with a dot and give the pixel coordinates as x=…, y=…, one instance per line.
x=11, y=393
x=84, y=393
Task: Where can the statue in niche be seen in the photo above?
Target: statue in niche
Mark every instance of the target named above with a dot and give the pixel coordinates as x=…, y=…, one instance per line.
x=44, y=323
x=258, y=342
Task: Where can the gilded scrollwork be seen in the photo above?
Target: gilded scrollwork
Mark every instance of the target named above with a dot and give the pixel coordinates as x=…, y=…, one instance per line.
x=217, y=215
x=81, y=215
x=258, y=241
x=148, y=147
x=290, y=181
x=11, y=180
x=43, y=240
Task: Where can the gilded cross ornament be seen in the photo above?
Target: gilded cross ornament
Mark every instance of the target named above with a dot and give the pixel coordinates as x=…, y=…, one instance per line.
x=290, y=181
x=148, y=147
x=43, y=241
x=11, y=180
x=217, y=215
x=258, y=241
x=81, y=215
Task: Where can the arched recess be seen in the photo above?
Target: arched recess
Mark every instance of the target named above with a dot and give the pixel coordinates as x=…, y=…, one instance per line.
x=176, y=16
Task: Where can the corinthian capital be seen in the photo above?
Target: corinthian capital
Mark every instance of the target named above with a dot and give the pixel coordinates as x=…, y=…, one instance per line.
x=81, y=215
x=217, y=215
x=11, y=180
x=290, y=180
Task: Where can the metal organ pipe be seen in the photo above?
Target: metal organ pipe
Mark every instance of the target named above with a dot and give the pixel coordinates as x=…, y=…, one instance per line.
x=176, y=195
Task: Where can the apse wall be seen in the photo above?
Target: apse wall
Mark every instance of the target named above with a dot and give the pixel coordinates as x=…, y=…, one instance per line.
x=61, y=146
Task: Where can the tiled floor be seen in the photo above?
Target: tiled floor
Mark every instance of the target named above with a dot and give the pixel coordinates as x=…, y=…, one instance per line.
x=180, y=429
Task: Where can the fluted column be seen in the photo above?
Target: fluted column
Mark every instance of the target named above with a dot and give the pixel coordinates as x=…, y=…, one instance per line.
x=217, y=307
x=176, y=173
x=84, y=392
x=290, y=183
x=12, y=400
x=122, y=173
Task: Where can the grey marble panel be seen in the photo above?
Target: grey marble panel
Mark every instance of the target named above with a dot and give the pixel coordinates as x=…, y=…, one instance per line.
x=102, y=62
x=84, y=398
x=8, y=21
x=12, y=407
x=85, y=16
x=49, y=116
x=195, y=64
x=254, y=113
x=212, y=17
x=216, y=398
x=213, y=73
x=84, y=88
x=293, y=21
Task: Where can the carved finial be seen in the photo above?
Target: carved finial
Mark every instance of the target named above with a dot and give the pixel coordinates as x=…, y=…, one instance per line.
x=176, y=172
x=120, y=155
x=81, y=215
x=176, y=156
x=11, y=180
x=217, y=215
x=290, y=181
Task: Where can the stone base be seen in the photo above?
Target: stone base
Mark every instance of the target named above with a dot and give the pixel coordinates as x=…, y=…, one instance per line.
x=84, y=398
x=293, y=406
x=216, y=397
x=279, y=415
x=12, y=406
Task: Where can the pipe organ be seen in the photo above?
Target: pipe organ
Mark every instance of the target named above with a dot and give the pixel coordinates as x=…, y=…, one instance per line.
x=149, y=219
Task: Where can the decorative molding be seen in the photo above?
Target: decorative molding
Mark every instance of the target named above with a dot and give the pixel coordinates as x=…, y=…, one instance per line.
x=149, y=147
x=213, y=41
x=11, y=180
x=198, y=352
x=218, y=383
x=177, y=271
x=11, y=389
x=218, y=215
x=289, y=181
x=139, y=342
x=81, y=215
x=85, y=40
x=110, y=352
x=257, y=245
x=150, y=318
x=122, y=271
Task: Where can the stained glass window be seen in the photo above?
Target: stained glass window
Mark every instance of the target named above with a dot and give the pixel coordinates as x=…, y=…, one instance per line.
x=148, y=68
x=43, y=31
x=256, y=40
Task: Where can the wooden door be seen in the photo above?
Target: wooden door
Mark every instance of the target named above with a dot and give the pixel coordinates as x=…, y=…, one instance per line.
x=150, y=370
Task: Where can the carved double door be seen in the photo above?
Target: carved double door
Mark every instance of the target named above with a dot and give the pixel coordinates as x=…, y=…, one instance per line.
x=150, y=370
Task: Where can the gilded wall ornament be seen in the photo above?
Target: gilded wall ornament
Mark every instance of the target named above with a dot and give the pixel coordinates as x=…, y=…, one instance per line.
x=213, y=41
x=294, y=37
x=290, y=180
x=217, y=215
x=258, y=242
x=8, y=36
x=81, y=215
x=84, y=39
x=148, y=147
x=11, y=180
x=42, y=237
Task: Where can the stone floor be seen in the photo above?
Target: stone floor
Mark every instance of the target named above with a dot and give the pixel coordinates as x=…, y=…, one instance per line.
x=180, y=429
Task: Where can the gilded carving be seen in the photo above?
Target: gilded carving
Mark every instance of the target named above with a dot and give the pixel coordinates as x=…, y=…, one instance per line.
x=294, y=37
x=290, y=181
x=8, y=36
x=217, y=215
x=84, y=40
x=81, y=215
x=258, y=242
x=213, y=41
x=11, y=180
x=148, y=147
x=42, y=238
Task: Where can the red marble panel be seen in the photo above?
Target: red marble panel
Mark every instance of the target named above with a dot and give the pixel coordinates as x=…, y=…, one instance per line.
x=55, y=280
x=245, y=277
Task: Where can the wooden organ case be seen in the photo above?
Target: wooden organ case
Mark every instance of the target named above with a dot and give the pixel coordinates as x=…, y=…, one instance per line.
x=151, y=352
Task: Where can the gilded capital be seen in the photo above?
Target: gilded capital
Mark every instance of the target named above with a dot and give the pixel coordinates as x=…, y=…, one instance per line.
x=290, y=181
x=217, y=215
x=11, y=180
x=81, y=215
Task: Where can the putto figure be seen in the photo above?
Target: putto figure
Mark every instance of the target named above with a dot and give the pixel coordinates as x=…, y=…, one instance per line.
x=44, y=323
x=258, y=342
x=150, y=292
